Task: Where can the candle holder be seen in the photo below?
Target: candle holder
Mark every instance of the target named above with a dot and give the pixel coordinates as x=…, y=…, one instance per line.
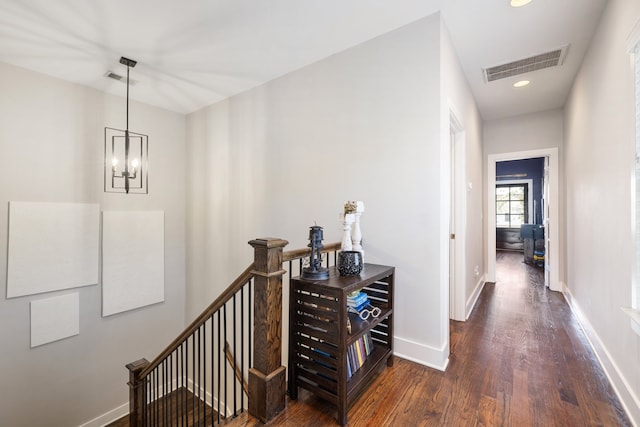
x=315, y=271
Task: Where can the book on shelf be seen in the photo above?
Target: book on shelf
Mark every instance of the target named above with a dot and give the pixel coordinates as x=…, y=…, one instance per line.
x=359, y=299
x=357, y=353
x=360, y=307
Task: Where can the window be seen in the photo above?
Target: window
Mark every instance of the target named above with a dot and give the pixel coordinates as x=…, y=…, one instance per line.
x=511, y=205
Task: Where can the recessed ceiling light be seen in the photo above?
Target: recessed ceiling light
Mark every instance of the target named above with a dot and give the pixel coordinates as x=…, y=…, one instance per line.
x=519, y=3
x=521, y=83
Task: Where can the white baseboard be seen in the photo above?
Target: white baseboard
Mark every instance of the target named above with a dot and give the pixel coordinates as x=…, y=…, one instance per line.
x=108, y=417
x=436, y=358
x=473, y=298
x=208, y=397
x=618, y=382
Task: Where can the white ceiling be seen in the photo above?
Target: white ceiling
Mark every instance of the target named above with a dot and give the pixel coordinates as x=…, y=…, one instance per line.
x=193, y=53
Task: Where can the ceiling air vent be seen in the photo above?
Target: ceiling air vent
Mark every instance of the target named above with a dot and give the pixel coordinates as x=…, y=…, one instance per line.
x=550, y=59
x=118, y=77
x=113, y=75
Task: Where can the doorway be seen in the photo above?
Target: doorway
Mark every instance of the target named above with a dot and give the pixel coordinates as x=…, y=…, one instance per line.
x=551, y=213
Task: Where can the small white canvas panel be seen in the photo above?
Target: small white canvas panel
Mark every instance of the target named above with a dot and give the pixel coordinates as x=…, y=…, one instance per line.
x=132, y=260
x=52, y=246
x=55, y=318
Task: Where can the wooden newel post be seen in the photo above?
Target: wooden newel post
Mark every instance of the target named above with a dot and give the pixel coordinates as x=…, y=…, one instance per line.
x=136, y=392
x=267, y=376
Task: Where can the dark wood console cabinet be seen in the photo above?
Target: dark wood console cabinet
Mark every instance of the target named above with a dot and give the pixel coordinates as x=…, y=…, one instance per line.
x=319, y=336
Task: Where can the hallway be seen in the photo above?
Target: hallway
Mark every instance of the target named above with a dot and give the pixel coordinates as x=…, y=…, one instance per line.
x=534, y=362
x=521, y=359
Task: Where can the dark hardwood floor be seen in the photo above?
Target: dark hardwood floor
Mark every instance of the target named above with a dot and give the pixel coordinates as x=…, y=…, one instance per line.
x=521, y=359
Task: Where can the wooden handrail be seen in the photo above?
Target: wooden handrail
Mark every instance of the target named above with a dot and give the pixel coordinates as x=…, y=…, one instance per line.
x=222, y=299
x=206, y=314
x=266, y=386
x=305, y=252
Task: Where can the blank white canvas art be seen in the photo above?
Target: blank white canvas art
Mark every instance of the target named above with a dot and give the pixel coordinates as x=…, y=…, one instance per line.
x=132, y=260
x=52, y=246
x=55, y=318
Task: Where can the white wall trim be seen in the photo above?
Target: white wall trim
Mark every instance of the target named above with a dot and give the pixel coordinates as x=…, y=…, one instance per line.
x=436, y=358
x=108, y=417
x=473, y=298
x=552, y=231
x=619, y=383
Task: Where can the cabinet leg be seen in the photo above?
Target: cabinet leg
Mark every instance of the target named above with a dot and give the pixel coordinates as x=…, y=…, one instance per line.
x=293, y=391
x=390, y=360
x=342, y=415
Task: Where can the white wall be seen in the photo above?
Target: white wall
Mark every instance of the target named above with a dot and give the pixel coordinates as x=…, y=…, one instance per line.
x=363, y=124
x=524, y=133
x=469, y=226
x=599, y=153
x=51, y=146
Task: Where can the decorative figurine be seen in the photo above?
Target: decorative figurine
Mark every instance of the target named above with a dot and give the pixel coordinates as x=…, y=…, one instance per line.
x=356, y=234
x=351, y=227
x=315, y=271
x=347, y=220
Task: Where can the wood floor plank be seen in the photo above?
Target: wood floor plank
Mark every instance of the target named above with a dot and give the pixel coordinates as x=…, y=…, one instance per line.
x=520, y=360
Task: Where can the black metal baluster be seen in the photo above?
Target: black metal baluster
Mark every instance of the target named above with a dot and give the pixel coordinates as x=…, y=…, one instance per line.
x=235, y=391
x=242, y=347
x=152, y=408
x=204, y=370
x=149, y=402
x=171, y=387
x=162, y=392
x=219, y=382
x=151, y=383
x=197, y=409
x=250, y=327
x=193, y=380
x=159, y=388
x=226, y=340
x=202, y=363
x=183, y=371
x=212, y=322
x=186, y=399
x=156, y=416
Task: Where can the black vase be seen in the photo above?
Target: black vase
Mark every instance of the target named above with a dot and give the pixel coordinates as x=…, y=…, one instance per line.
x=350, y=263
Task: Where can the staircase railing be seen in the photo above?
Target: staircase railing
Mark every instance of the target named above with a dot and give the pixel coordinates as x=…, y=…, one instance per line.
x=201, y=377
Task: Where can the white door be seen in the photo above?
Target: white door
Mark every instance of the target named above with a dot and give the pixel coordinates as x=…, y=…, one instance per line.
x=545, y=220
x=457, y=222
x=452, y=228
